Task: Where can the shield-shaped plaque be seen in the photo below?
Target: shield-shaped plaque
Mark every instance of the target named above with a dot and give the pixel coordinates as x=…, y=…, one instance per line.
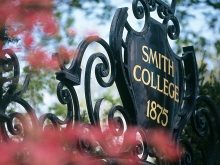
x=150, y=76
x=155, y=74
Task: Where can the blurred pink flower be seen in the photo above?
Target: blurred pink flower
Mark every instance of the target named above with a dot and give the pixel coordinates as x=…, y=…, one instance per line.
x=160, y=139
x=71, y=31
x=28, y=39
x=56, y=148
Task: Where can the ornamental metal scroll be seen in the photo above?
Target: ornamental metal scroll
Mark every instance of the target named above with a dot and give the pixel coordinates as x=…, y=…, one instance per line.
x=158, y=90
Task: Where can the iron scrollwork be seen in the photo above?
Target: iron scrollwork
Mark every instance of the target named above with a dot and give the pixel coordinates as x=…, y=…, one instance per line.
x=195, y=113
x=10, y=72
x=189, y=93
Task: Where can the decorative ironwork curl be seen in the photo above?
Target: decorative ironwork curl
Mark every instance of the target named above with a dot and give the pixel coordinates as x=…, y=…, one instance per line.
x=72, y=75
x=116, y=123
x=188, y=156
x=101, y=70
x=65, y=96
x=162, y=11
x=167, y=14
x=137, y=10
x=18, y=128
x=10, y=64
x=201, y=119
x=30, y=111
x=152, y=5
x=173, y=30
x=141, y=147
x=205, y=122
x=85, y=142
x=139, y=13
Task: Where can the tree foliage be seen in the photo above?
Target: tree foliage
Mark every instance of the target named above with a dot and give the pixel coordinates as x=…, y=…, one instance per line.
x=200, y=27
x=41, y=28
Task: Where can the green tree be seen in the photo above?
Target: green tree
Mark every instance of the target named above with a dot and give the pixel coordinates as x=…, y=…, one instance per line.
x=200, y=27
x=35, y=47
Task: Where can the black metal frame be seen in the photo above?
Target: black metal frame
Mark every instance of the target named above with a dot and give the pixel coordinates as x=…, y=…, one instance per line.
x=205, y=121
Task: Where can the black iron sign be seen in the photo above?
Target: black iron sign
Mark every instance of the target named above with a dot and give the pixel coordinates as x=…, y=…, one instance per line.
x=152, y=72
x=155, y=73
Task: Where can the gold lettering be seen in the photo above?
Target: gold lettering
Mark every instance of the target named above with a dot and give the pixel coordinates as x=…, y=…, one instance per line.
x=165, y=81
x=176, y=93
x=134, y=73
x=146, y=59
x=158, y=84
x=152, y=112
x=152, y=81
x=171, y=95
x=142, y=76
x=171, y=67
x=153, y=57
x=164, y=62
x=149, y=78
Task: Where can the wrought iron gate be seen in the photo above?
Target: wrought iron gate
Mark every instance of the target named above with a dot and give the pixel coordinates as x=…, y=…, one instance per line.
x=158, y=90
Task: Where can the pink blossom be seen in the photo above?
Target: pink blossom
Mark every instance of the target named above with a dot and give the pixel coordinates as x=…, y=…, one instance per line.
x=71, y=31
